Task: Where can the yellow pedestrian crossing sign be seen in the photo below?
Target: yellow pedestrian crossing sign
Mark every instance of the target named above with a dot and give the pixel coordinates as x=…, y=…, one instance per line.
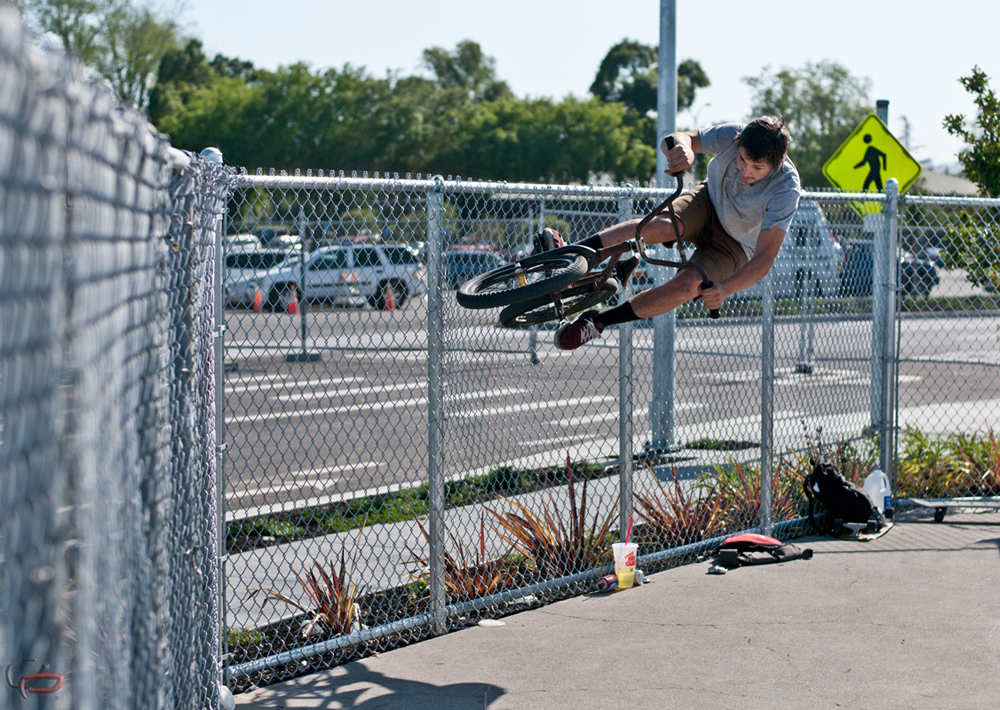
x=870, y=156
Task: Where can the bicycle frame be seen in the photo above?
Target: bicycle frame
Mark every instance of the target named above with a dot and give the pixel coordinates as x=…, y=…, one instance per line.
x=613, y=253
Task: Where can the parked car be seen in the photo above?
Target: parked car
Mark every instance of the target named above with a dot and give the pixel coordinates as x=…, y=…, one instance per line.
x=353, y=274
x=462, y=265
x=932, y=254
x=916, y=276
x=248, y=271
x=234, y=243
x=857, y=276
x=809, y=254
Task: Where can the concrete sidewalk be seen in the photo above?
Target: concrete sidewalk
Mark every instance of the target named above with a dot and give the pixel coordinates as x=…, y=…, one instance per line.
x=911, y=620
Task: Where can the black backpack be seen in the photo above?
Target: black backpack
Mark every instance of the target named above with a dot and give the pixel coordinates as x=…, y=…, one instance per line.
x=844, y=502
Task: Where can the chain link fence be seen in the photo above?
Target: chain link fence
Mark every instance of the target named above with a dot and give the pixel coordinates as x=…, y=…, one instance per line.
x=949, y=352
x=398, y=466
x=108, y=534
x=245, y=428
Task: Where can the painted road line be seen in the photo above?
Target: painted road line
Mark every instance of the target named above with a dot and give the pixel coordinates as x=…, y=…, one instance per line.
x=379, y=406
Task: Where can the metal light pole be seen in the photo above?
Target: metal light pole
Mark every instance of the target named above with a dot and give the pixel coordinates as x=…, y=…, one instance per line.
x=661, y=407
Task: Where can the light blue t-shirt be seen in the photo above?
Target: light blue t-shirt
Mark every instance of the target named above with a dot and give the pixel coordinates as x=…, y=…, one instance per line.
x=744, y=210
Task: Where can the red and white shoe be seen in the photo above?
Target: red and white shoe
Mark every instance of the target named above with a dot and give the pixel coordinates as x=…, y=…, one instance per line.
x=570, y=336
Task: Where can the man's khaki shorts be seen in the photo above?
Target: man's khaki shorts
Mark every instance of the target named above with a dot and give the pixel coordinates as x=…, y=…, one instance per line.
x=716, y=252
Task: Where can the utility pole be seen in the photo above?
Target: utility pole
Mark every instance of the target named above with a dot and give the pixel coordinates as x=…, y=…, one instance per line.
x=661, y=406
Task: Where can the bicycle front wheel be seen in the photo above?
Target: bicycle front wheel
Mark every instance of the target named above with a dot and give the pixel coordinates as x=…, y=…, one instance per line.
x=527, y=279
x=542, y=310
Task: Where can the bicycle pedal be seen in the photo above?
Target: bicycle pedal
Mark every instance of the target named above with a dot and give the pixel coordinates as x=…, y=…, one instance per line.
x=624, y=269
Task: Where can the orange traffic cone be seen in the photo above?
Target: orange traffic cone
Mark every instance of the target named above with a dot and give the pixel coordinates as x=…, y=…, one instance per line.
x=390, y=298
x=293, y=302
x=258, y=302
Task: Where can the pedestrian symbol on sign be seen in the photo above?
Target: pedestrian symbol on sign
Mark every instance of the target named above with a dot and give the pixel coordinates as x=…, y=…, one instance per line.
x=873, y=158
x=869, y=157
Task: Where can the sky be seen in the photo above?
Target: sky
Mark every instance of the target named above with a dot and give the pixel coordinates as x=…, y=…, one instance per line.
x=913, y=52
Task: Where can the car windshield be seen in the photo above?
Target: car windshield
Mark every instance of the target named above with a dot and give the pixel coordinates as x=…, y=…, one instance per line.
x=256, y=261
x=401, y=256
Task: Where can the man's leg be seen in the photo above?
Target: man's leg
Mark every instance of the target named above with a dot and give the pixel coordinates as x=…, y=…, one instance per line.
x=683, y=287
x=658, y=231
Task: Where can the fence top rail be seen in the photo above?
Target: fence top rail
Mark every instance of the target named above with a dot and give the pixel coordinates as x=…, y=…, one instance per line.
x=505, y=190
x=950, y=201
x=440, y=184
x=847, y=197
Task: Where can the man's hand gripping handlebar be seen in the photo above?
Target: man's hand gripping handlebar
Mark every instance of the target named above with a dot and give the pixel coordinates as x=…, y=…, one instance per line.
x=668, y=206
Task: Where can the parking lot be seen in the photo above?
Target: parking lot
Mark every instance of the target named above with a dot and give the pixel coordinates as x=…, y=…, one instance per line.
x=356, y=418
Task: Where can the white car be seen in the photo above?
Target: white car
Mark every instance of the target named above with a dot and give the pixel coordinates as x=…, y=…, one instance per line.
x=350, y=274
x=810, y=253
x=238, y=243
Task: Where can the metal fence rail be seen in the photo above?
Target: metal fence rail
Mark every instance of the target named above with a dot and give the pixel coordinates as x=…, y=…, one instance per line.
x=402, y=435
x=107, y=459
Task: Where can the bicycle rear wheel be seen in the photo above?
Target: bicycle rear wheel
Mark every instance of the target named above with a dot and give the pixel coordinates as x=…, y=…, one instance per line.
x=527, y=279
x=542, y=310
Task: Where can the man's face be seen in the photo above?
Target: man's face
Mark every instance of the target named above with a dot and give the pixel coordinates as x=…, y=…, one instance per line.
x=750, y=170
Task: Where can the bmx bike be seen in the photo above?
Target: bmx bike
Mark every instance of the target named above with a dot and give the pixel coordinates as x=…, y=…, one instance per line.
x=558, y=283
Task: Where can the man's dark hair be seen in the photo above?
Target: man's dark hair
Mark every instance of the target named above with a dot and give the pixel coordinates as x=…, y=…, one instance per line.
x=766, y=139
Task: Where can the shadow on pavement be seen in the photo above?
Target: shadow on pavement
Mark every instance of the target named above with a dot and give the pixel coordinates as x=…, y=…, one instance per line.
x=357, y=687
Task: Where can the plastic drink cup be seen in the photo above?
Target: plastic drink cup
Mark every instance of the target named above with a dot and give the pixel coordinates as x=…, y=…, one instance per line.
x=625, y=554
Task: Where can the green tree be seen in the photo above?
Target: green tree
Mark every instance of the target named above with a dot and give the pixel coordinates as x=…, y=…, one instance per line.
x=543, y=140
x=181, y=71
x=134, y=40
x=76, y=24
x=628, y=73
x=468, y=70
x=346, y=119
x=822, y=104
x=119, y=42
x=981, y=158
x=973, y=248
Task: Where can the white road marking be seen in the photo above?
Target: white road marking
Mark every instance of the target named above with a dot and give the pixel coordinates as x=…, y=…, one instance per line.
x=381, y=405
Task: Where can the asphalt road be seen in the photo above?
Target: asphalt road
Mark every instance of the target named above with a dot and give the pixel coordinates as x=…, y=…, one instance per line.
x=357, y=418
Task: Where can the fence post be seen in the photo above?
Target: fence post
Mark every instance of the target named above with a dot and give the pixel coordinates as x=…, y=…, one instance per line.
x=435, y=413
x=303, y=355
x=887, y=429
x=881, y=277
x=222, y=643
x=625, y=482
x=767, y=404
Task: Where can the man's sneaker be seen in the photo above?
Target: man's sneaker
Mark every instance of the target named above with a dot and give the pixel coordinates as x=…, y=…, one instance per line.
x=624, y=269
x=570, y=336
x=547, y=240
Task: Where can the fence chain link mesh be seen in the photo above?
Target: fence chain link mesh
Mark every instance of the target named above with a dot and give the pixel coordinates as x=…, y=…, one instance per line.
x=393, y=465
x=367, y=413
x=949, y=335
x=109, y=528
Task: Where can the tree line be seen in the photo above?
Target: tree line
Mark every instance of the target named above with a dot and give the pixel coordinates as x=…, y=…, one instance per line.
x=458, y=118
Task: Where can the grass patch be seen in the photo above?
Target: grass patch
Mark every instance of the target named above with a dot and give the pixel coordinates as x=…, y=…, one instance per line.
x=399, y=506
x=709, y=444
x=737, y=307
x=243, y=637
